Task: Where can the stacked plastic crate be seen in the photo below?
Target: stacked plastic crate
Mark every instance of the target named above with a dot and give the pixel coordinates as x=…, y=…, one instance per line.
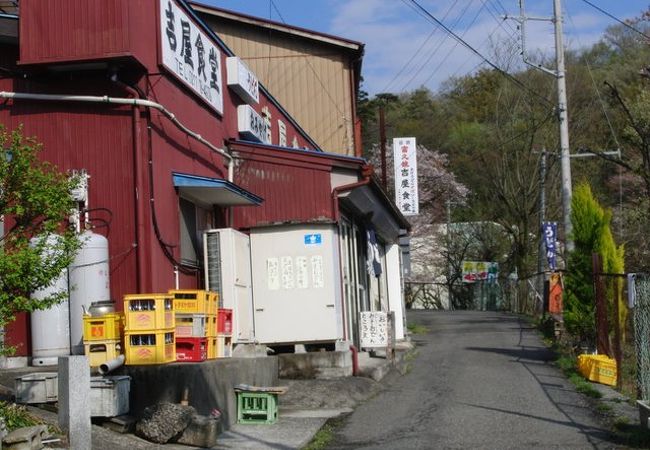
x=224, y=333
x=196, y=324
x=103, y=337
x=149, y=336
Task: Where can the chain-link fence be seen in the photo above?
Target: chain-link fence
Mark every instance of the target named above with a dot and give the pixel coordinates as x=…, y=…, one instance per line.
x=642, y=333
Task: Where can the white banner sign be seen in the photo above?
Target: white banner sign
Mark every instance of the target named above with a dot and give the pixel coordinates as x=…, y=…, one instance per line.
x=406, y=175
x=251, y=125
x=242, y=80
x=190, y=54
x=373, y=327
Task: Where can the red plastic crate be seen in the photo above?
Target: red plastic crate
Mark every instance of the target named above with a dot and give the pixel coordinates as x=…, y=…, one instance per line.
x=191, y=349
x=224, y=322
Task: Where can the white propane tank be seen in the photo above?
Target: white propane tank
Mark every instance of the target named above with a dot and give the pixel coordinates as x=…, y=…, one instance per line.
x=89, y=282
x=51, y=327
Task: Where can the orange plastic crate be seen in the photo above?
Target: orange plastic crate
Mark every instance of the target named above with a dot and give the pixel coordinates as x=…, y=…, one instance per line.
x=150, y=348
x=148, y=312
x=105, y=327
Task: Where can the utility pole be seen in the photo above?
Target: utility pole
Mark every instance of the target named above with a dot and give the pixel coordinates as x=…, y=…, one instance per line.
x=542, y=211
x=565, y=156
x=563, y=117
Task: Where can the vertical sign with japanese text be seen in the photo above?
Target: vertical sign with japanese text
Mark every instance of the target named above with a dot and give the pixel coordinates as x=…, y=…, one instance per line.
x=549, y=233
x=373, y=329
x=406, y=175
x=190, y=54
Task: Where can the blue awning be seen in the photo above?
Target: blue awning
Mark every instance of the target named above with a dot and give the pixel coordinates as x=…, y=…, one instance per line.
x=213, y=191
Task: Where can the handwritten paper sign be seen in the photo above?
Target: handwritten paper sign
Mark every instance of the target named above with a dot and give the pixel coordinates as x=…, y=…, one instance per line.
x=374, y=329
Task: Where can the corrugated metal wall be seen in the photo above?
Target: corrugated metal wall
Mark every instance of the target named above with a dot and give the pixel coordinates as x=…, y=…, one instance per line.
x=311, y=80
x=65, y=30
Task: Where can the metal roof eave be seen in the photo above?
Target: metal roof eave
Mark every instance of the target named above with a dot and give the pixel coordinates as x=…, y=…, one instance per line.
x=213, y=191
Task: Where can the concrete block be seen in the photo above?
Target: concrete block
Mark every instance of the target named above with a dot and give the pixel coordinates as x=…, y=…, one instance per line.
x=28, y=438
x=74, y=407
x=315, y=365
x=201, y=432
x=249, y=351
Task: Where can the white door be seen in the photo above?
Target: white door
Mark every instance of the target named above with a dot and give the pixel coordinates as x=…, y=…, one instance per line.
x=296, y=284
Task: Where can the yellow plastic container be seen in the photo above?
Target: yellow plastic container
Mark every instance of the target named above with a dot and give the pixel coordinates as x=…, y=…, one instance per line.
x=107, y=326
x=148, y=312
x=98, y=352
x=191, y=301
x=150, y=348
x=212, y=347
x=224, y=346
x=598, y=368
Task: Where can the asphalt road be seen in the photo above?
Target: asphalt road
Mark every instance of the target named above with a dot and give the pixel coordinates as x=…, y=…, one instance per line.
x=480, y=380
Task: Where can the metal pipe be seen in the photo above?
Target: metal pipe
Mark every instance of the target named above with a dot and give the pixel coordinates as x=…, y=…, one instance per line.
x=138, y=180
x=124, y=101
x=355, y=361
x=111, y=365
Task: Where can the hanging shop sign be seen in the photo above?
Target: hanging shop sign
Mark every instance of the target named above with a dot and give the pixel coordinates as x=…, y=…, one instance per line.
x=242, y=80
x=251, y=125
x=549, y=233
x=406, y=175
x=474, y=271
x=190, y=54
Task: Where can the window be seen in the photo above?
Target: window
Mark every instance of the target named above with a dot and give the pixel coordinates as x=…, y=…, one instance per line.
x=193, y=220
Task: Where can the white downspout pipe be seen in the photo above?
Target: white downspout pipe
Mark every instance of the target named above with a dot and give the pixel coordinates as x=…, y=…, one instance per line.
x=124, y=101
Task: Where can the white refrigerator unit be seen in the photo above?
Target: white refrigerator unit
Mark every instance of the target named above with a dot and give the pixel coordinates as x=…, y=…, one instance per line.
x=296, y=284
x=227, y=263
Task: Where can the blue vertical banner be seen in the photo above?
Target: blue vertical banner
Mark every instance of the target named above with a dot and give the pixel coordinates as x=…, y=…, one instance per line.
x=549, y=232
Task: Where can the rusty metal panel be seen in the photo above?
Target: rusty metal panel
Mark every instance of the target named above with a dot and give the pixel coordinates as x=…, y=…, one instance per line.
x=78, y=30
x=311, y=80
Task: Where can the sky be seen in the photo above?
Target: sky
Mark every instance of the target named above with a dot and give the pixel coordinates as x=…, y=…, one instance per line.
x=405, y=50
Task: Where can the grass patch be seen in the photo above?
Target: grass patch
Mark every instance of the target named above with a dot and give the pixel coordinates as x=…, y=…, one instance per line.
x=325, y=435
x=632, y=435
x=16, y=416
x=568, y=366
x=417, y=329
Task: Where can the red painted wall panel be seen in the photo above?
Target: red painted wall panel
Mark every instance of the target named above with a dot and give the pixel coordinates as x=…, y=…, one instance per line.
x=99, y=137
x=71, y=30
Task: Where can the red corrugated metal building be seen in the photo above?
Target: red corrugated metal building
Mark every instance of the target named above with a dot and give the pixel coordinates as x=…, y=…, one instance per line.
x=113, y=48
x=66, y=79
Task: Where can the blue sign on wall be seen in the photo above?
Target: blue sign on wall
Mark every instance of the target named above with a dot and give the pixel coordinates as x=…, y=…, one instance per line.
x=549, y=230
x=313, y=239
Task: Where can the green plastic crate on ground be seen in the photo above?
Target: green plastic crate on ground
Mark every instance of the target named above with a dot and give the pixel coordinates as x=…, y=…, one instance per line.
x=257, y=407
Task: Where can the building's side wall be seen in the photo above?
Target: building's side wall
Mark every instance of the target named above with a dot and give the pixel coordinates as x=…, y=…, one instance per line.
x=312, y=81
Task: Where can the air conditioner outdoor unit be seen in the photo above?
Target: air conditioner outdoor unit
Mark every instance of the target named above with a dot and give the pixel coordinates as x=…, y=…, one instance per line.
x=227, y=263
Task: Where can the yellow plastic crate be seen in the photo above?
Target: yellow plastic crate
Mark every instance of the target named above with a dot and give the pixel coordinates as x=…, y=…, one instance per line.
x=212, y=347
x=598, y=368
x=148, y=312
x=194, y=325
x=150, y=348
x=224, y=346
x=193, y=301
x=101, y=328
x=98, y=352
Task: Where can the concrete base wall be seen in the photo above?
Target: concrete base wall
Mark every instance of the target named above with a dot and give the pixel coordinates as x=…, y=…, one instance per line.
x=315, y=365
x=210, y=383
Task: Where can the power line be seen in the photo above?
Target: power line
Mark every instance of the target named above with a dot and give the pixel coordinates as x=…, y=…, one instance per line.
x=477, y=53
x=419, y=49
x=616, y=19
x=435, y=51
